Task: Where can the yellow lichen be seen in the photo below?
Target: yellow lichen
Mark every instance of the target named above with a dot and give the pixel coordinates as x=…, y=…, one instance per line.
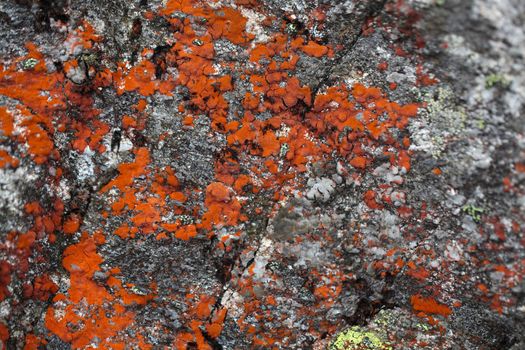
x=358, y=338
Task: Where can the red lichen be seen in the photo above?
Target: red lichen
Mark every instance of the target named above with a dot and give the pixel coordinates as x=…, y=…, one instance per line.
x=429, y=305
x=4, y=335
x=43, y=288
x=5, y=279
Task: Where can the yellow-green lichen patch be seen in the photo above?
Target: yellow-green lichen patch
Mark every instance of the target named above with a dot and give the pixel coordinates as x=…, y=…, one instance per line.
x=359, y=338
x=443, y=117
x=496, y=80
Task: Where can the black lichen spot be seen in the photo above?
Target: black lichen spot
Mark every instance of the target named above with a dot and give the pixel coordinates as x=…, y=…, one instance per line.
x=115, y=140
x=136, y=29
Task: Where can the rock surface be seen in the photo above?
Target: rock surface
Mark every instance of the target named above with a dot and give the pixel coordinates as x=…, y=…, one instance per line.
x=260, y=174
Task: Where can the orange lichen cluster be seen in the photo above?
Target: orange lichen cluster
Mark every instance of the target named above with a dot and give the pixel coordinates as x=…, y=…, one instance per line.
x=33, y=342
x=222, y=208
x=363, y=125
x=221, y=21
x=129, y=171
x=140, y=78
x=429, y=306
x=84, y=36
x=5, y=279
x=89, y=312
x=261, y=154
x=273, y=305
x=43, y=96
x=4, y=335
x=6, y=159
x=201, y=317
x=42, y=288
x=193, y=54
x=23, y=247
x=6, y=122
x=146, y=213
x=32, y=114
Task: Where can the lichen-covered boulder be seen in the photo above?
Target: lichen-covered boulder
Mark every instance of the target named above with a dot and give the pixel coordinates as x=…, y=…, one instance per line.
x=260, y=174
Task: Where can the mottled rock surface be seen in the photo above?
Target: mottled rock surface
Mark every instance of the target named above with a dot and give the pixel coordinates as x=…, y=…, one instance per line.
x=261, y=174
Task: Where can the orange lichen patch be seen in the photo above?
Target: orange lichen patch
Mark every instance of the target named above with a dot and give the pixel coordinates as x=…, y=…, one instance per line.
x=322, y=292
x=35, y=89
x=214, y=329
x=186, y=232
x=42, y=97
x=82, y=261
x=102, y=316
x=71, y=225
x=260, y=51
x=35, y=134
x=124, y=231
x=141, y=105
x=217, y=192
x=270, y=144
x=200, y=317
x=223, y=22
x=245, y=133
x=4, y=334
x=178, y=196
x=362, y=93
x=417, y=272
x=26, y=240
x=161, y=236
x=192, y=55
x=5, y=279
x=370, y=200
x=424, y=79
x=241, y=182
x=221, y=214
x=230, y=24
x=27, y=86
x=520, y=167
x=83, y=36
x=128, y=171
x=148, y=212
x=204, y=306
x=383, y=66
x=171, y=179
x=225, y=83
x=6, y=122
x=128, y=122
x=483, y=288
x=222, y=208
x=429, y=305
x=496, y=304
x=40, y=146
x=33, y=342
x=6, y=160
x=187, y=121
x=142, y=79
x=314, y=49
x=126, y=297
x=358, y=162
x=128, y=200
x=81, y=331
x=43, y=288
x=404, y=160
